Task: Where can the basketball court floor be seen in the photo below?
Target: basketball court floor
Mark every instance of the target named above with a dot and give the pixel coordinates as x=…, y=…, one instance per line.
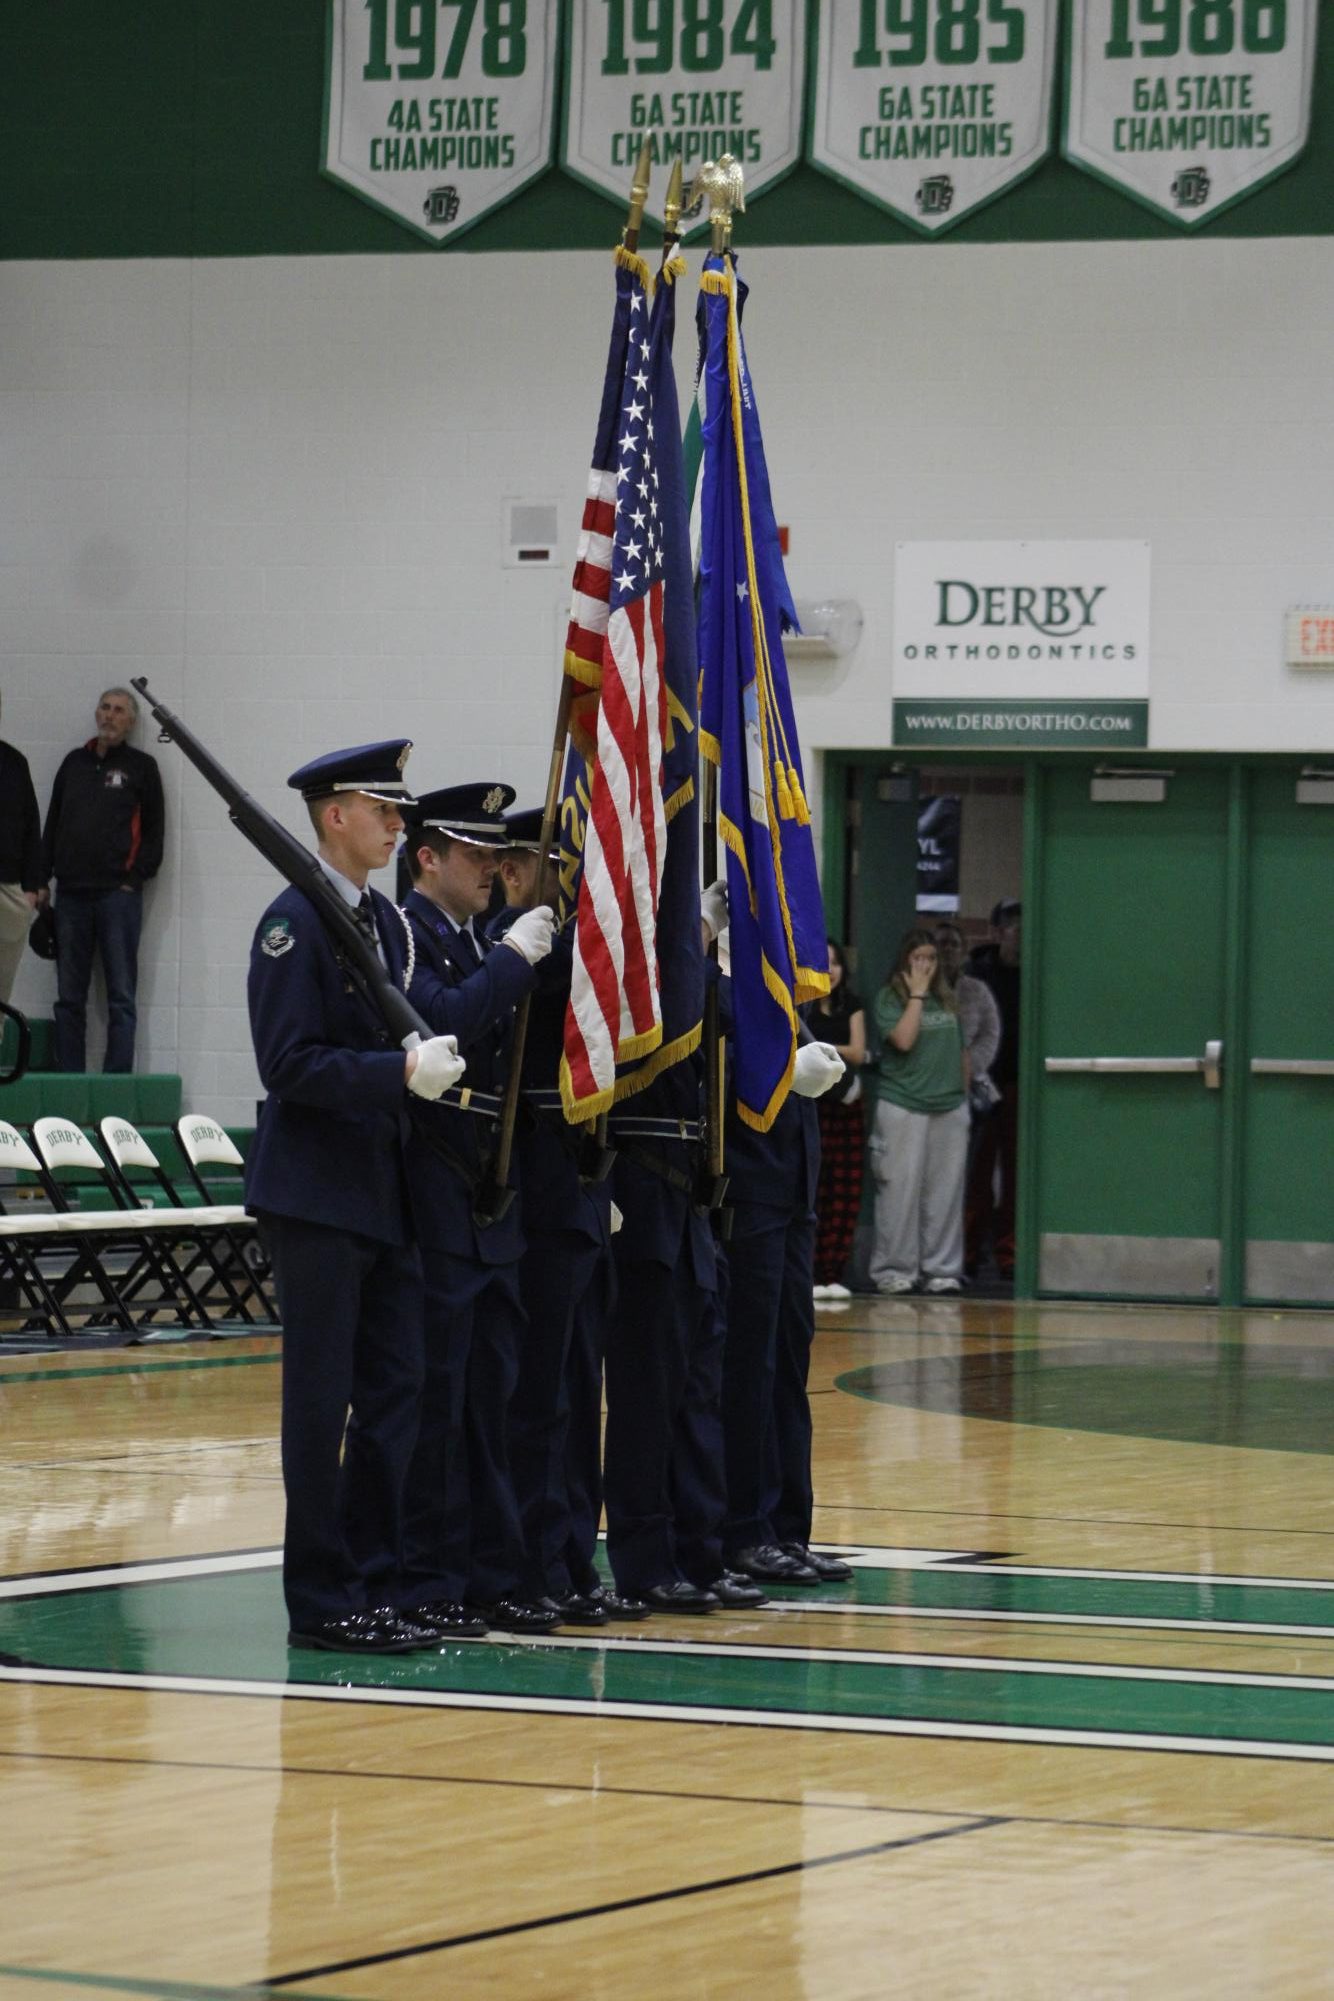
x=1070, y=1732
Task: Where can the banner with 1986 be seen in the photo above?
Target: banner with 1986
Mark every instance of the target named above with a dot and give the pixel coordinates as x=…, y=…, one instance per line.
x=1188, y=105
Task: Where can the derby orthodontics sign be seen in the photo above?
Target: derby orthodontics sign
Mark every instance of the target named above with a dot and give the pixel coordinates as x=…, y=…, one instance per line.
x=438, y=111
x=1032, y=645
x=1188, y=105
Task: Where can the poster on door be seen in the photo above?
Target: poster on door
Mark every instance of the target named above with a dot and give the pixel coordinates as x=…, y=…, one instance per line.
x=695, y=78
x=930, y=108
x=1189, y=105
x=438, y=111
x=939, y=823
x=1034, y=645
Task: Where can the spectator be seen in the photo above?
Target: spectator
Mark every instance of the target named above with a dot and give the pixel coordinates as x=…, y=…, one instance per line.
x=992, y=1173
x=102, y=843
x=839, y=1017
x=919, y=1143
x=979, y=1017
x=20, y=861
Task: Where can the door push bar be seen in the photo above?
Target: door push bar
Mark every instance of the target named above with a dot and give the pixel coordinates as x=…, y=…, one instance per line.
x=1209, y=1066
x=1297, y=1066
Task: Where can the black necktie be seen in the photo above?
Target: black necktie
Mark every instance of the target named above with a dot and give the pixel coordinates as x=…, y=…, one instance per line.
x=469, y=947
x=365, y=915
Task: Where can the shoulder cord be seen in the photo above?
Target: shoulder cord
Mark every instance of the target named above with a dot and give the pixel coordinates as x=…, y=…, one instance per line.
x=411, y=965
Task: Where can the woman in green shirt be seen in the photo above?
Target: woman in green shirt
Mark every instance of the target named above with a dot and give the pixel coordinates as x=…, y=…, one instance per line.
x=919, y=1141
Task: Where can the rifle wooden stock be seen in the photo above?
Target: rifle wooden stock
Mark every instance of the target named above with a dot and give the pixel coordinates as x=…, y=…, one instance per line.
x=299, y=867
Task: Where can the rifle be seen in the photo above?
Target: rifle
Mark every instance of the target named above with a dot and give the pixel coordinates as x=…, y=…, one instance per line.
x=299, y=867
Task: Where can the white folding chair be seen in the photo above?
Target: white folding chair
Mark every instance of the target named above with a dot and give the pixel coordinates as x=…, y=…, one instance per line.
x=62, y=1241
x=204, y=1144
x=151, y=1282
x=202, y=1233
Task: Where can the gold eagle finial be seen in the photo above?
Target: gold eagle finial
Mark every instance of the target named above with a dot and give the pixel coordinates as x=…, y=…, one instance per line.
x=723, y=183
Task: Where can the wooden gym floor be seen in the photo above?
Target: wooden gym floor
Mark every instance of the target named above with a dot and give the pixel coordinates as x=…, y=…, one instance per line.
x=1069, y=1733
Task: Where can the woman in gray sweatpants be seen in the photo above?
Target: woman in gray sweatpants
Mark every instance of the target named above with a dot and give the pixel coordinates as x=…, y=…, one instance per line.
x=919, y=1141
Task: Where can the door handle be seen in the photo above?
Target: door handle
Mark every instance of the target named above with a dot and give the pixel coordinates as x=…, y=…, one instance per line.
x=1297, y=1066
x=1209, y=1066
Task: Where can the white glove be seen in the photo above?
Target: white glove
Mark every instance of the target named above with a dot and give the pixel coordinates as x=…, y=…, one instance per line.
x=616, y=1219
x=438, y=1066
x=530, y=935
x=818, y=1068
x=713, y=907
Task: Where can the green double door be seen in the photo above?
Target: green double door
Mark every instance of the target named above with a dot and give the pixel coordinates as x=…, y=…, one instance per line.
x=1179, y=1036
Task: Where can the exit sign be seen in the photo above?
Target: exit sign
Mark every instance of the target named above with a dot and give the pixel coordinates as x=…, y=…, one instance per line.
x=1308, y=635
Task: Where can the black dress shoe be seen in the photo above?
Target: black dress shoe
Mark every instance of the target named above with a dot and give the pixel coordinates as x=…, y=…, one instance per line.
x=829, y=1569
x=578, y=1608
x=517, y=1615
x=773, y=1565
x=383, y=1631
x=731, y=1588
x=448, y=1620
x=617, y=1605
x=680, y=1597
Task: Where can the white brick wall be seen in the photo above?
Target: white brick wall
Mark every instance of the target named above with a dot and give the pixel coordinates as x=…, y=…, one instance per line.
x=277, y=487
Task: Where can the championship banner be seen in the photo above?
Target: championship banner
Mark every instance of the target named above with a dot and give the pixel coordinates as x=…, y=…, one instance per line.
x=1189, y=105
x=930, y=108
x=438, y=111
x=695, y=78
x=939, y=835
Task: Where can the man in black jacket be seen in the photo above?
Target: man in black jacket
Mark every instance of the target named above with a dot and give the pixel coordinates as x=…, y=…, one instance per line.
x=20, y=861
x=102, y=842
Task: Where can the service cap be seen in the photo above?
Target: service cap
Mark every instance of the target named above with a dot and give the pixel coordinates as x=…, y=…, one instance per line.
x=473, y=814
x=373, y=768
x=523, y=829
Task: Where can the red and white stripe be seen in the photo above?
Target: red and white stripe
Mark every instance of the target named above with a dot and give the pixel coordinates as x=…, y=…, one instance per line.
x=615, y=1009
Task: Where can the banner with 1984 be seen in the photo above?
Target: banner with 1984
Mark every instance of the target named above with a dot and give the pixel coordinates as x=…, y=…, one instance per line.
x=932, y=107
x=695, y=78
x=438, y=111
x=1188, y=105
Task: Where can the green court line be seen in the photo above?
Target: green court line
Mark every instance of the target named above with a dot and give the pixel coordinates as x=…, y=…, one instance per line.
x=139, y=1368
x=230, y=1627
x=160, y=1990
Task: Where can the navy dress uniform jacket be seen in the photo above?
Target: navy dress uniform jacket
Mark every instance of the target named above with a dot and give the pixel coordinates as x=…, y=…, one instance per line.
x=330, y=1139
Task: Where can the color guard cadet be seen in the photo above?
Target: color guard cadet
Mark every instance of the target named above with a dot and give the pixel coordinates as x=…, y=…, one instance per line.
x=663, y=1474
x=555, y=1435
x=464, y=1552
x=326, y=1177
x=772, y=1178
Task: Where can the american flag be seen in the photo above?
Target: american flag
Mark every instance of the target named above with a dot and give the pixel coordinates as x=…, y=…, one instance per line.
x=615, y=646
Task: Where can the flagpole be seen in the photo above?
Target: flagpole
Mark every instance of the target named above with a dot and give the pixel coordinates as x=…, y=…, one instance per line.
x=493, y=1199
x=723, y=183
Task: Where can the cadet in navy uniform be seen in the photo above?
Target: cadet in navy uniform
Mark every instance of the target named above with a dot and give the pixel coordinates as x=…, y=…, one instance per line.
x=464, y=1551
x=326, y=1178
x=555, y=1432
x=772, y=1179
x=663, y=1474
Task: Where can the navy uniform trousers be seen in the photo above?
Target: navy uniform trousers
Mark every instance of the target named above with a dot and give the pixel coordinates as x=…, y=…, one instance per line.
x=663, y=1464
x=463, y=1535
x=555, y=1415
x=326, y=1178
x=770, y=1328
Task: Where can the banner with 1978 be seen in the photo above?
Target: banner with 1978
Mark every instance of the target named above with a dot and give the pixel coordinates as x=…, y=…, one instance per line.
x=932, y=107
x=695, y=78
x=438, y=111
x=1188, y=105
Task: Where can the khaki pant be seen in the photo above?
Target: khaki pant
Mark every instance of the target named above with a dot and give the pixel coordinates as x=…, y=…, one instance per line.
x=918, y=1159
x=15, y=917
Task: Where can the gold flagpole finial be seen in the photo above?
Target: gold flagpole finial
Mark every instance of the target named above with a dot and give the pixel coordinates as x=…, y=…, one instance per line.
x=638, y=196
x=724, y=183
x=671, y=208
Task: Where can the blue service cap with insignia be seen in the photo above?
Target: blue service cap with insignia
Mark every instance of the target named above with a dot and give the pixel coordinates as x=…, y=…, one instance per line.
x=473, y=814
x=373, y=768
x=523, y=829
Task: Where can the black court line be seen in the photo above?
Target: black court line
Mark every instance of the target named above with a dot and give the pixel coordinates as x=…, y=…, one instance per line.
x=661, y=1793
x=611, y=1909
